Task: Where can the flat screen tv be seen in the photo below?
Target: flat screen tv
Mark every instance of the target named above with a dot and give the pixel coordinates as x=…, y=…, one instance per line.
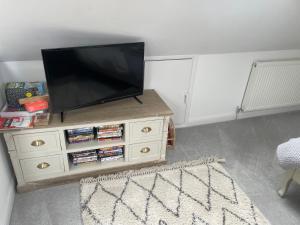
x=83, y=76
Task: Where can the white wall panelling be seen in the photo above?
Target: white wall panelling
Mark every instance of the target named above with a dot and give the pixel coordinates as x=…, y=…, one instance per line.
x=170, y=76
x=217, y=82
x=171, y=79
x=220, y=81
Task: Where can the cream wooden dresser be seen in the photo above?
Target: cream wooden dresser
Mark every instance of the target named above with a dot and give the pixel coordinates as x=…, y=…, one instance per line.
x=41, y=156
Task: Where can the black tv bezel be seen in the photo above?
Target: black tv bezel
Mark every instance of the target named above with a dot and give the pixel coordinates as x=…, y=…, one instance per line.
x=101, y=101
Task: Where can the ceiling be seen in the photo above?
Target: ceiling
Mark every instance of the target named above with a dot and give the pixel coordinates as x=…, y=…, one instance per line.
x=169, y=27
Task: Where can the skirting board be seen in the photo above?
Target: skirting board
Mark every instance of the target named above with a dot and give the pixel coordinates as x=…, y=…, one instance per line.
x=232, y=116
x=208, y=120
x=243, y=115
x=5, y=220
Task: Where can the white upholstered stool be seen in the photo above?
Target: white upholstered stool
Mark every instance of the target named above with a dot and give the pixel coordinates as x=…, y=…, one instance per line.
x=288, y=155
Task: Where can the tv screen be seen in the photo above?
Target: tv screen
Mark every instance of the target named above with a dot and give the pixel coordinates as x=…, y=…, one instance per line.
x=83, y=76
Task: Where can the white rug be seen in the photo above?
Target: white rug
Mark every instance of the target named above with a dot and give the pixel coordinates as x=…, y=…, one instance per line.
x=199, y=192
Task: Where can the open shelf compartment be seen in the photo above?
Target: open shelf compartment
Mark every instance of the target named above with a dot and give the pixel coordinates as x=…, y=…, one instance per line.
x=80, y=144
x=85, y=167
x=95, y=144
x=97, y=164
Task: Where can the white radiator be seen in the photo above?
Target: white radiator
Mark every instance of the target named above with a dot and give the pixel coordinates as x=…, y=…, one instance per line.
x=272, y=84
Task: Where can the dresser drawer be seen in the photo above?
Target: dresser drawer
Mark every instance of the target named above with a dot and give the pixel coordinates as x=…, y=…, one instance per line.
x=41, y=167
x=37, y=144
x=146, y=131
x=145, y=151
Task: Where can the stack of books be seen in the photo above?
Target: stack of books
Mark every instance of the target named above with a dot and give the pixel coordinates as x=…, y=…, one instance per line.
x=110, y=133
x=80, y=135
x=16, y=122
x=111, y=153
x=26, y=105
x=14, y=91
x=84, y=157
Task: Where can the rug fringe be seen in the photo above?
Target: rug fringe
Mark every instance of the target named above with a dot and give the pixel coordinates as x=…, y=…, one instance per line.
x=154, y=169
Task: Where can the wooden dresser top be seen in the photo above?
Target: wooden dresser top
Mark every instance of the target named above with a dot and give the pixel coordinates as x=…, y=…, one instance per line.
x=124, y=109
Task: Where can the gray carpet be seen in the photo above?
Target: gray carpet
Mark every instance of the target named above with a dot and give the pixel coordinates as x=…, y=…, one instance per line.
x=248, y=146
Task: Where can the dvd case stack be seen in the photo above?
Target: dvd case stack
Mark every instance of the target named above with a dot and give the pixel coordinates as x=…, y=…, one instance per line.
x=84, y=157
x=80, y=135
x=111, y=153
x=110, y=133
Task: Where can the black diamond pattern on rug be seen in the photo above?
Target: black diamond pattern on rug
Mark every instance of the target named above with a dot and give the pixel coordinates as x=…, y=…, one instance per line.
x=197, y=220
x=191, y=195
x=230, y=218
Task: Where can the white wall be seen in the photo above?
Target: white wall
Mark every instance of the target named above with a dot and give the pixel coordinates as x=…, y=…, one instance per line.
x=22, y=71
x=7, y=187
x=217, y=84
x=169, y=27
x=220, y=81
x=171, y=80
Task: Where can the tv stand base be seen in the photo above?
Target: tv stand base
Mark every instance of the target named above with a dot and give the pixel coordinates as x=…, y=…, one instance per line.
x=62, y=113
x=138, y=100
x=62, y=117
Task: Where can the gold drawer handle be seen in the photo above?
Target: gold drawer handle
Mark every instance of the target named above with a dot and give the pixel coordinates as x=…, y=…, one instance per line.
x=145, y=150
x=146, y=129
x=37, y=143
x=43, y=165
